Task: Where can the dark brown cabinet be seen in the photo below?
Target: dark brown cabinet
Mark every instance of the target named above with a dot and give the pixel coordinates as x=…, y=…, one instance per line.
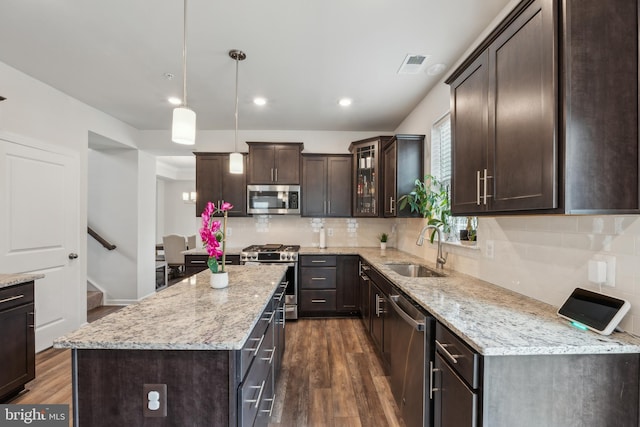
x=328, y=285
x=326, y=185
x=17, y=334
x=215, y=184
x=403, y=161
x=367, y=175
x=195, y=263
x=545, y=117
x=271, y=163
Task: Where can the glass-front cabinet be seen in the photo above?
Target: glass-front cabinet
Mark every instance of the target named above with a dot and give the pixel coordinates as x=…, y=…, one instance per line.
x=367, y=176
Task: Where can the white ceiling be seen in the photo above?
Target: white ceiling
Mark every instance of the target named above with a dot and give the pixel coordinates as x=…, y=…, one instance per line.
x=301, y=54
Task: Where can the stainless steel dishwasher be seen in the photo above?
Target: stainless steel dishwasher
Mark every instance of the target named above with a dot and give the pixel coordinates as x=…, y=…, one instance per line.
x=411, y=332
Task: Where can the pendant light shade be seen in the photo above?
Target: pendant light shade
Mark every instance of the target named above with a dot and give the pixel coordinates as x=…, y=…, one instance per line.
x=236, y=160
x=183, y=130
x=236, y=163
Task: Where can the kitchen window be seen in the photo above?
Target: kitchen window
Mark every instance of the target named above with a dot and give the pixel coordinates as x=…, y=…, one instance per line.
x=441, y=166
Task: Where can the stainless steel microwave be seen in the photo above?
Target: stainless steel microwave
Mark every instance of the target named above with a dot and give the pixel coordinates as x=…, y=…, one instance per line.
x=273, y=199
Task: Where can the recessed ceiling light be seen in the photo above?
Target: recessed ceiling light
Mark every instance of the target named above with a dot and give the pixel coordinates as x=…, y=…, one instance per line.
x=436, y=69
x=174, y=101
x=344, y=102
x=259, y=100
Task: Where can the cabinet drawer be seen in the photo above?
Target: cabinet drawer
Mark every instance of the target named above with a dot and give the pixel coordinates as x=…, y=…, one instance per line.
x=255, y=342
x=196, y=261
x=256, y=383
x=14, y=296
x=464, y=360
x=318, y=278
x=318, y=300
x=318, y=260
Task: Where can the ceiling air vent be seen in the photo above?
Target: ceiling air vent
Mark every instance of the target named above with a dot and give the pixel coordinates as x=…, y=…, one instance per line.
x=413, y=64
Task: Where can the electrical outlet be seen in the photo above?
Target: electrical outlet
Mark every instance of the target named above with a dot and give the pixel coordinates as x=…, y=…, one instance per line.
x=154, y=400
x=229, y=231
x=329, y=231
x=610, y=260
x=488, y=253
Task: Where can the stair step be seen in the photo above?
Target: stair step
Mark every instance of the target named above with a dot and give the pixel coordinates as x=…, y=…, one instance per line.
x=94, y=299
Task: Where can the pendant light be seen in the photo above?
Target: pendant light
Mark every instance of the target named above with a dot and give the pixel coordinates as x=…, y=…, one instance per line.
x=183, y=130
x=236, y=160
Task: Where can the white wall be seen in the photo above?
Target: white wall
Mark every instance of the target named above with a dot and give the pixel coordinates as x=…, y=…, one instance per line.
x=545, y=256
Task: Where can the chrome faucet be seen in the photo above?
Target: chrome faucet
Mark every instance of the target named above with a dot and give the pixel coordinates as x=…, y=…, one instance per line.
x=440, y=260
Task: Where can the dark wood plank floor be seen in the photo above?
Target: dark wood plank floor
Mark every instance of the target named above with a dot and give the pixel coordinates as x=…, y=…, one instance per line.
x=331, y=376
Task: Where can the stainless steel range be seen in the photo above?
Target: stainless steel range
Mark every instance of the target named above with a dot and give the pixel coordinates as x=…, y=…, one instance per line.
x=278, y=254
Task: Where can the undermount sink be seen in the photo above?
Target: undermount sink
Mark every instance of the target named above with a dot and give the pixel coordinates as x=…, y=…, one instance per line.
x=414, y=270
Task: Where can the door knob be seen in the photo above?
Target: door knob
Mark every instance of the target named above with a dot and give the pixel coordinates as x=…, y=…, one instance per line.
x=73, y=256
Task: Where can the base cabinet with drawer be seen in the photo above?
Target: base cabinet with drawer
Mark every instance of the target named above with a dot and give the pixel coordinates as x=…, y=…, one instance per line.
x=551, y=390
x=329, y=285
x=17, y=334
x=195, y=263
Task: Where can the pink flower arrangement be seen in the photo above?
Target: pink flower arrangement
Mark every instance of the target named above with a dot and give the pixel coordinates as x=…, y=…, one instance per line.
x=213, y=234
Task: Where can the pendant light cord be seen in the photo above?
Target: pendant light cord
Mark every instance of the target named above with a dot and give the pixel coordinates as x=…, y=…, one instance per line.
x=236, y=137
x=184, y=57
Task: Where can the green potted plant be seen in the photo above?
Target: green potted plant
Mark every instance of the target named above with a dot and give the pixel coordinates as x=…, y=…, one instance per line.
x=383, y=240
x=430, y=199
x=468, y=235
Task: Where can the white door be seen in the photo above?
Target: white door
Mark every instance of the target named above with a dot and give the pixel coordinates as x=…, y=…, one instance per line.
x=39, y=231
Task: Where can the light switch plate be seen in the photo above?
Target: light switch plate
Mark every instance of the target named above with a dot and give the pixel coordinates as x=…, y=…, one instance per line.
x=610, y=260
x=154, y=400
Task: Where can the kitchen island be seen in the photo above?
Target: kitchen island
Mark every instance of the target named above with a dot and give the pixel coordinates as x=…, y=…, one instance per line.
x=189, y=355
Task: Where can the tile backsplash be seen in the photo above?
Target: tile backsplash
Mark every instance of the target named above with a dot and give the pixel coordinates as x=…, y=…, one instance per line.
x=546, y=256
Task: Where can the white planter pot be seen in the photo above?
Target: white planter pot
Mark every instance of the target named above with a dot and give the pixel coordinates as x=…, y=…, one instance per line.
x=219, y=280
x=383, y=245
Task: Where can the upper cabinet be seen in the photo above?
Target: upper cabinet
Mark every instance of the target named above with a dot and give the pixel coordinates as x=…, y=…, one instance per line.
x=403, y=161
x=271, y=163
x=326, y=185
x=367, y=176
x=215, y=184
x=545, y=114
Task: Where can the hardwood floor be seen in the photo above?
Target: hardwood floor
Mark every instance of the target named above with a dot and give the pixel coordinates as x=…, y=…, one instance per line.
x=331, y=376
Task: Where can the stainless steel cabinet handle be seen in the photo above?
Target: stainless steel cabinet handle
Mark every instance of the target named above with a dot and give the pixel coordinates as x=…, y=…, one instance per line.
x=485, y=186
x=11, y=298
x=320, y=261
x=329, y=211
x=453, y=357
x=33, y=320
x=257, y=400
x=318, y=301
x=318, y=278
x=255, y=350
x=366, y=268
x=364, y=277
x=419, y=326
x=276, y=174
x=432, y=389
x=195, y=261
x=378, y=305
x=478, y=187
x=73, y=255
x=270, y=410
x=269, y=359
x=391, y=207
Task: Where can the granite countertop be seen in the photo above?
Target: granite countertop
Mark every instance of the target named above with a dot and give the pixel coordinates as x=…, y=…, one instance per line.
x=189, y=315
x=493, y=320
x=203, y=251
x=16, y=279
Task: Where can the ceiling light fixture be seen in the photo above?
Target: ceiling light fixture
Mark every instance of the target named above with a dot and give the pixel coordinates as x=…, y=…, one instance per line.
x=236, y=160
x=344, y=102
x=183, y=130
x=260, y=101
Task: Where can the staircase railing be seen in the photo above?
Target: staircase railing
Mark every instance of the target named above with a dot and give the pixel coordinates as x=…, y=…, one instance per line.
x=100, y=239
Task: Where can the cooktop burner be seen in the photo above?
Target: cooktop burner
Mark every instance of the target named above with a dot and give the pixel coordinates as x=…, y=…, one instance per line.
x=272, y=247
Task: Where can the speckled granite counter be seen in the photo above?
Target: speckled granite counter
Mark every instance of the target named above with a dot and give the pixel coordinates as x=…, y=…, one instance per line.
x=203, y=251
x=491, y=319
x=16, y=279
x=187, y=316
